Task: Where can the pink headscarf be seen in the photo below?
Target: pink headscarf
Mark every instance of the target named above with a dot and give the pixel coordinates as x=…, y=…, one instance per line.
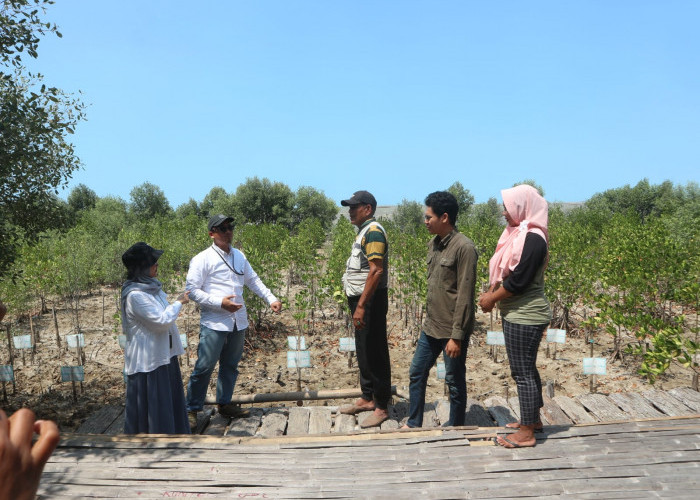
x=529, y=210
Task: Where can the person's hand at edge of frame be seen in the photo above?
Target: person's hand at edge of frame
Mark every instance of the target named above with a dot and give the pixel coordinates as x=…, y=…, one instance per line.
x=21, y=462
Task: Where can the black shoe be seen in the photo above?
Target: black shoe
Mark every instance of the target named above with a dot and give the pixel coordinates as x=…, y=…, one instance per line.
x=232, y=410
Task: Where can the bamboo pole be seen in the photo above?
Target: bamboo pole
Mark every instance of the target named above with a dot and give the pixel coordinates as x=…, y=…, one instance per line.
x=272, y=397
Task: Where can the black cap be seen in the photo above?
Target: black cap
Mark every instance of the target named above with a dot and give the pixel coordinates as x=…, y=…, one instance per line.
x=217, y=220
x=360, y=198
x=140, y=255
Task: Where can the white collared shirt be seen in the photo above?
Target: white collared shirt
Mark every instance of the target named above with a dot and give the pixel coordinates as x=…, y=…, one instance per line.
x=213, y=275
x=152, y=337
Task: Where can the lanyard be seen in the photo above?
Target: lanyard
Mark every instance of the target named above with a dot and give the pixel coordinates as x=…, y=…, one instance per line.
x=233, y=257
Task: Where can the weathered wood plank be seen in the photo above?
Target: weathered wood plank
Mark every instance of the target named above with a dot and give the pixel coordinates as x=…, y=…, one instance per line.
x=602, y=407
x=344, y=423
x=245, y=426
x=687, y=396
x=667, y=403
x=635, y=405
x=442, y=412
x=500, y=410
x=477, y=415
x=298, y=422
x=100, y=421
x=117, y=427
x=274, y=423
x=217, y=424
x=320, y=420
x=552, y=412
x=574, y=410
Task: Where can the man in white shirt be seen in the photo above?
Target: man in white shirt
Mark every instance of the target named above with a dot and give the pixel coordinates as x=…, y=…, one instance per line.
x=215, y=281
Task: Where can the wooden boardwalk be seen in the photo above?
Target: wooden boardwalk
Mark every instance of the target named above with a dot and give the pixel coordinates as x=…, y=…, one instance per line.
x=586, y=451
x=494, y=411
x=658, y=458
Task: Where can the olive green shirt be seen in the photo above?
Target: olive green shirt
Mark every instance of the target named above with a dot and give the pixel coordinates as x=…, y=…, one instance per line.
x=450, y=301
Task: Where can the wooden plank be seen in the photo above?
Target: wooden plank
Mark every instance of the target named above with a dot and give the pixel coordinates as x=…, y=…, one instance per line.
x=574, y=410
x=442, y=412
x=203, y=418
x=274, y=423
x=667, y=403
x=553, y=413
x=217, y=424
x=430, y=416
x=635, y=405
x=320, y=420
x=687, y=396
x=298, y=422
x=344, y=423
x=602, y=407
x=100, y=420
x=477, y=415
x=500, y=410
x=245, y=426
x=117, y=427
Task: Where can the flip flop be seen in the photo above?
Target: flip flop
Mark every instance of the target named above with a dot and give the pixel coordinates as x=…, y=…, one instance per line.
x=516, y=425
x=512, y=444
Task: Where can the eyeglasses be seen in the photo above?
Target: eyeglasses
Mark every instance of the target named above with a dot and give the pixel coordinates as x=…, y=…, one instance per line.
x=224, y=229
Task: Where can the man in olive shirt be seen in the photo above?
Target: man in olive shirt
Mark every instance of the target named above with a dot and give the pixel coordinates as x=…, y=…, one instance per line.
x=450, y=308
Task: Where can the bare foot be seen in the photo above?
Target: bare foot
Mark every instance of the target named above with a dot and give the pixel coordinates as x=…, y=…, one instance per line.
x=520, y=439
x=516, y=425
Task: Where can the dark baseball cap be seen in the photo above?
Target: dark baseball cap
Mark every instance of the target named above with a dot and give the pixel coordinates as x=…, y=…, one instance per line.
x=360, y=198
x=217, y=220
x=140, y=255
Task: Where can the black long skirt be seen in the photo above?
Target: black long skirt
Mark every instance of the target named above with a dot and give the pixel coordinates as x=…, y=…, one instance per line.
x=155, y=402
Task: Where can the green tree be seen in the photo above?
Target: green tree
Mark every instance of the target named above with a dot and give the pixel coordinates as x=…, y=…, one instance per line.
x=190, y=207
x=148, y=201
x=263, y=201
x=81, y=198
x=35, y=119
x=310, y=203
x=531, y=182
x=408, y=216
x=213, y=201
x=465, y=199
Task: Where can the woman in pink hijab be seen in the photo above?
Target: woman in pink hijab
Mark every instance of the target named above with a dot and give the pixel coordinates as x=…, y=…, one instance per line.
x=516, y=280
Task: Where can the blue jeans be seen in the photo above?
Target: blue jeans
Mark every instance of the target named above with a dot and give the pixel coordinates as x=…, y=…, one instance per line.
x=227, y=349
x=427, y=351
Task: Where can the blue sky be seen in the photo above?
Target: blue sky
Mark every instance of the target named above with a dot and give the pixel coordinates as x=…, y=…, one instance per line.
x=398, y=97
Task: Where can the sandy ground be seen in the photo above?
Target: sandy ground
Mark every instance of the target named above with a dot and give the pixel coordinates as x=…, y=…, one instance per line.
x=264, y=367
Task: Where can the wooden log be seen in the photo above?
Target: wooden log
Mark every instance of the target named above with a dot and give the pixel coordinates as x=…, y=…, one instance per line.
x=667, y=403
x=320, y=420
x=635, y=405
x=298, y=422
x=575, y=410
x=500, y=410
x=274, y=423
x=602, y=407
x=274, y=397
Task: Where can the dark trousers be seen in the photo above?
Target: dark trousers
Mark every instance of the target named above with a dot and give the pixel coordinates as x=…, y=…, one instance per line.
x=522, y=343
x=427, y=352
x=373, y=351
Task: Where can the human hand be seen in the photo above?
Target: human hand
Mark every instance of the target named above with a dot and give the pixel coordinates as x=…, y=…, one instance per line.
x=230, y=305
x=486, y=302
x=183, y=298
x=21, y=463
x=276, y=306
x=358, y=317
x=453, y=348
